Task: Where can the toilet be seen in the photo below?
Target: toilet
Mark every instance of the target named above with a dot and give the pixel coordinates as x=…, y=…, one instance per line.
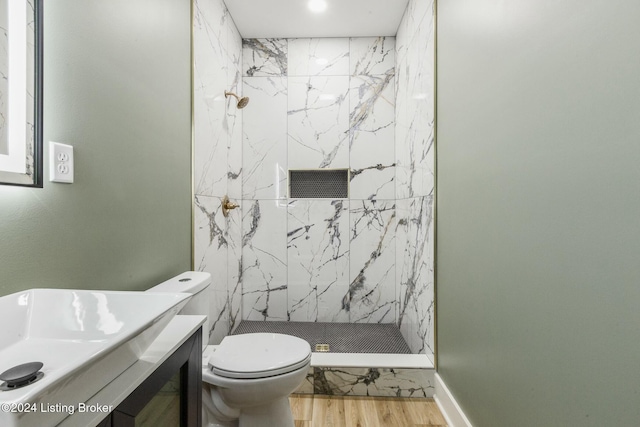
x=247, y=379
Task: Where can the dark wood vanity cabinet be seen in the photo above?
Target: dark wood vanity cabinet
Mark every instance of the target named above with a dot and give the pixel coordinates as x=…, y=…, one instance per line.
x=170, y=397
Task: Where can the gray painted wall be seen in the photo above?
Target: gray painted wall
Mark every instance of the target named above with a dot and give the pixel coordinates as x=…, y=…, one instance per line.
x=539, y=210
x=117, y=88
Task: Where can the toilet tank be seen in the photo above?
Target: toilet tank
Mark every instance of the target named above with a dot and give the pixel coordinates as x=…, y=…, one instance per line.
x=195, y=283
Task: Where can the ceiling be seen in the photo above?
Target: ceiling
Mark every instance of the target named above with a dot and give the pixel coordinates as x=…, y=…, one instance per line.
x=292, y=18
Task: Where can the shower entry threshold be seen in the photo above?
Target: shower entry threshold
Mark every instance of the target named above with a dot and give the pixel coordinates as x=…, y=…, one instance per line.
x=363, y=359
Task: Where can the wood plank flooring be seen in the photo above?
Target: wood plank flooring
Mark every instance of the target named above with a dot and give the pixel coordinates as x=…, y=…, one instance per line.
x=351, y=411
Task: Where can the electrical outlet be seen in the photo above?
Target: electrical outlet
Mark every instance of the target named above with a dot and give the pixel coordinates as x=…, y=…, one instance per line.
x=60, y=162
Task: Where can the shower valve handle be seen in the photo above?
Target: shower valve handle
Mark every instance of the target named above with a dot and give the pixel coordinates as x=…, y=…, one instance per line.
x=228, y=206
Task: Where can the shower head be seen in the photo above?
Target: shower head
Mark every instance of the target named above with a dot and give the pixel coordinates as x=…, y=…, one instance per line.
x=242, y=102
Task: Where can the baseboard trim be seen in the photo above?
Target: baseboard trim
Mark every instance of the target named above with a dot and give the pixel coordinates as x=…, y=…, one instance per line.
x=448, y=406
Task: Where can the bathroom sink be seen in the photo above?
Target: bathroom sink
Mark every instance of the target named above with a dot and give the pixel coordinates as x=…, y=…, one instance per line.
x=84, y=339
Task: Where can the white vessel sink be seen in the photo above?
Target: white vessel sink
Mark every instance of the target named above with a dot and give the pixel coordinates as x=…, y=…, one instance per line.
x=84, y=339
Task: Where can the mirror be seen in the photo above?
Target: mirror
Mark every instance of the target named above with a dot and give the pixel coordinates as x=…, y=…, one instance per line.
x=21, y=92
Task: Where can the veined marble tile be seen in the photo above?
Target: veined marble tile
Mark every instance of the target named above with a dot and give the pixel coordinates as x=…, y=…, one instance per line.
x=318, y=260
x=425, y=314
x=218, y=160
x=307, y=386
x=234, y=261
x=211, y=244
x=420, y=177
x=403, y=164
x=210, y=79
x=265, y=138
x=219, y=319
x=234, y=47
x=373, y=182
x=422, y=128
x=412, y=18
x=404, y=318
x=210, y=20
x=319, y=57
x=421, y=13
x=318, y=122
x=403, y=37
x=211, y=249
x=234, y=296
x=415, y=271
x=415, y=109
x=415, y=164
x=264, y=57
x=217, y=251
x=383, y=132
x=425, y=302
x=264, y=253
x=408, y=314
x=234, y=141
x=402, y=151
x=372, y=56
x=371, y=297
x=218, y=124
x=234, y=115
x=372, y=137
x=414, y=175
x=374, y=382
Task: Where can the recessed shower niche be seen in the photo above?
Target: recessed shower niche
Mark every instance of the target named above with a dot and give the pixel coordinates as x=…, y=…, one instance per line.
x=332, y=165
x=319, y=184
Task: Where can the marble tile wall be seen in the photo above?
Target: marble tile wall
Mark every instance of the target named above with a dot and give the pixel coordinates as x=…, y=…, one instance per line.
x=218, y=160
x=415, y=135
x=319, y=103
x=360, y=103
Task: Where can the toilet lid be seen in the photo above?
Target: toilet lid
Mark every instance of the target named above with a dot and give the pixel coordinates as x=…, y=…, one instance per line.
x=259, y=355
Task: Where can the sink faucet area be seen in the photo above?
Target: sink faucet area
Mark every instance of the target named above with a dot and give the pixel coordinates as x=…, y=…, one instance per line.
x=74, y=343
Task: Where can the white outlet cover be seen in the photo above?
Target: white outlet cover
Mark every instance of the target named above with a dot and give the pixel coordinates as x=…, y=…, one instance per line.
x=60, y=162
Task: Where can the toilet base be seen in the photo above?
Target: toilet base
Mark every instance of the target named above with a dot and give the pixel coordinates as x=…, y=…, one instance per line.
x=276, y=413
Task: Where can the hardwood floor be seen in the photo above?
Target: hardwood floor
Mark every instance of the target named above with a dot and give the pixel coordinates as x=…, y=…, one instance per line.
x=349, y=411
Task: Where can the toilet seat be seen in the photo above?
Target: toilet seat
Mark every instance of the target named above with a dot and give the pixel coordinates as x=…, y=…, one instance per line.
x=259, y=355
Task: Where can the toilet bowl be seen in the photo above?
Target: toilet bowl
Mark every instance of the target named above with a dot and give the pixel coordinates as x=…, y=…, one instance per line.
x=247, y=379
x=254, y=374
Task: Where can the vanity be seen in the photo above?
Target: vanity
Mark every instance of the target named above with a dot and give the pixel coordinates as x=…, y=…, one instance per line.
x=163, y=388
x=99, y=358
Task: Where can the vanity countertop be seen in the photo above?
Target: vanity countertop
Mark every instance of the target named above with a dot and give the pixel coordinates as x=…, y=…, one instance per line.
x=179, y=329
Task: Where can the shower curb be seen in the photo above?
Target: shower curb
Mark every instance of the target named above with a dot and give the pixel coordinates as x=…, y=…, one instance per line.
x=361, y=374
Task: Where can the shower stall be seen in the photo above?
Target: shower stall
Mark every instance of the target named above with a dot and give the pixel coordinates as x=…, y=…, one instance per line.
x=346, y=260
